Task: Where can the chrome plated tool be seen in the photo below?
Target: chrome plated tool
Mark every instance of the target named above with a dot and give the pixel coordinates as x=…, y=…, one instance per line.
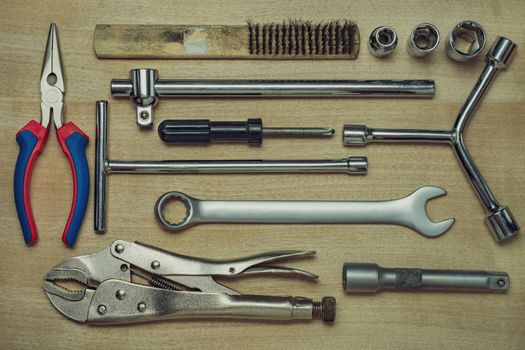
x=105, y=166
x=144, y=88
x=499, y=218
x=465, y=41
x=32, y=138
x=371, y=278
x=382, y=41
x=423, y=40
x=409, y=211
x=179, y=287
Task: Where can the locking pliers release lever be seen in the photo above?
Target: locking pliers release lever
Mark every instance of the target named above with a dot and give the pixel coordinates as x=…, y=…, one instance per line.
x=179, y=287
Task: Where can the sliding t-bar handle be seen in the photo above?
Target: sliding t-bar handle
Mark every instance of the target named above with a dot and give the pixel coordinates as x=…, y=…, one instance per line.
x=144, y=88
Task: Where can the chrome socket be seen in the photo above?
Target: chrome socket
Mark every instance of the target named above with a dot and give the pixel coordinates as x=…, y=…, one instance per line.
x=466, y=41
x=382, y=41
x=423, y=40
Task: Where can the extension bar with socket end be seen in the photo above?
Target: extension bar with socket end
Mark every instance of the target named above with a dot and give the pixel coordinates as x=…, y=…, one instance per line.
x=371, y=278
x=104, y=166
x=499, y=218
x=144, y=88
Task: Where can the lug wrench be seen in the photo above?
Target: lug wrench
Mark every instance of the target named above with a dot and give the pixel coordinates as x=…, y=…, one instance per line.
x=105, y=166
x=144, y=88
x=409, y=211
x=499, y=219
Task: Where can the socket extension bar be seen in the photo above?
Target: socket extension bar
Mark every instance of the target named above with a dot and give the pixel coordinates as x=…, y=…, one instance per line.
x=371, y=278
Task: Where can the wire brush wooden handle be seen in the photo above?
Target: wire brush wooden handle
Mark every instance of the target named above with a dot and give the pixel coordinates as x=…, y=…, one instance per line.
x=284, y=40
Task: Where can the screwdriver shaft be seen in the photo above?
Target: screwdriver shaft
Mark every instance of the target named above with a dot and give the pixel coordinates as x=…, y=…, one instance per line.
x=297, y=132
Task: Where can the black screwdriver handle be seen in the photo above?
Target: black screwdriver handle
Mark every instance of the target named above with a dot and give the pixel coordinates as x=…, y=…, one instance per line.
x=206, y=131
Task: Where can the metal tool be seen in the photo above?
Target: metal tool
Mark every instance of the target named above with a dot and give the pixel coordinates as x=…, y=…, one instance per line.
x=423, y=40
x=144, y=88
x=251, y=131
x=465, y=41
x=32, y=138
x=382, y=41
x=409, y=211
x=499, y=218
x=105, y=166
x=179, y=287
x=371, y=278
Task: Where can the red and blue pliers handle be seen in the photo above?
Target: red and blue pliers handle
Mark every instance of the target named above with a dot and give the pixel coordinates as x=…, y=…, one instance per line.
x=73, y=141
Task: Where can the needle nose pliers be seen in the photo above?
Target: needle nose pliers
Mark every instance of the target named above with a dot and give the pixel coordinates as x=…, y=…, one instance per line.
x=32, y=138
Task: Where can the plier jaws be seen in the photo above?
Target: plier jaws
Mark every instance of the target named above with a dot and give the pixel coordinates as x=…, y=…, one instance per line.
x=52, y=82
x=173, y=286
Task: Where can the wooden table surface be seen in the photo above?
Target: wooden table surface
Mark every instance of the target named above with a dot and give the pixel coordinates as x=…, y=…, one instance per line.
x=379, y=321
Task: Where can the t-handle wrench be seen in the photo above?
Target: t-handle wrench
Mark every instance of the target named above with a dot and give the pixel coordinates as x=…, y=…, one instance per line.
x=409, y=211
x=499, y=219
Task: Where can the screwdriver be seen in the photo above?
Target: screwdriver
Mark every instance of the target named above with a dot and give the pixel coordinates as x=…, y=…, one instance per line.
x=251, y=131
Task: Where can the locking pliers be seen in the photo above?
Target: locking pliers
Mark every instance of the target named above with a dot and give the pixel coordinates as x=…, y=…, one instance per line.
x=178, y=287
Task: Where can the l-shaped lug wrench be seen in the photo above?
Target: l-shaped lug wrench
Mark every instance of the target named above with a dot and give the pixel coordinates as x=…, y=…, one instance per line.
x=499, y=219
x=104, y=166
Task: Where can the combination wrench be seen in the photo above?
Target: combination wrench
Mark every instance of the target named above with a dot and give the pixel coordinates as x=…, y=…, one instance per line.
x=409, y=211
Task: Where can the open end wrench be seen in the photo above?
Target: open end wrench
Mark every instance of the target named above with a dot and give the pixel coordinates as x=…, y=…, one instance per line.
x=409, y=211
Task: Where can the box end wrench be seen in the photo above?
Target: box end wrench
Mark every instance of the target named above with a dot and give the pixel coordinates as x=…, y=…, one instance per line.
x=409, y=211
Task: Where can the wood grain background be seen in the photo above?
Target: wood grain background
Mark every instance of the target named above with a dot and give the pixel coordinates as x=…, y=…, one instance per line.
x=382, y=321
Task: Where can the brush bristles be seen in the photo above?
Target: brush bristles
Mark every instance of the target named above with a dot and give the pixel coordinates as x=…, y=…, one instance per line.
x=296, y=37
